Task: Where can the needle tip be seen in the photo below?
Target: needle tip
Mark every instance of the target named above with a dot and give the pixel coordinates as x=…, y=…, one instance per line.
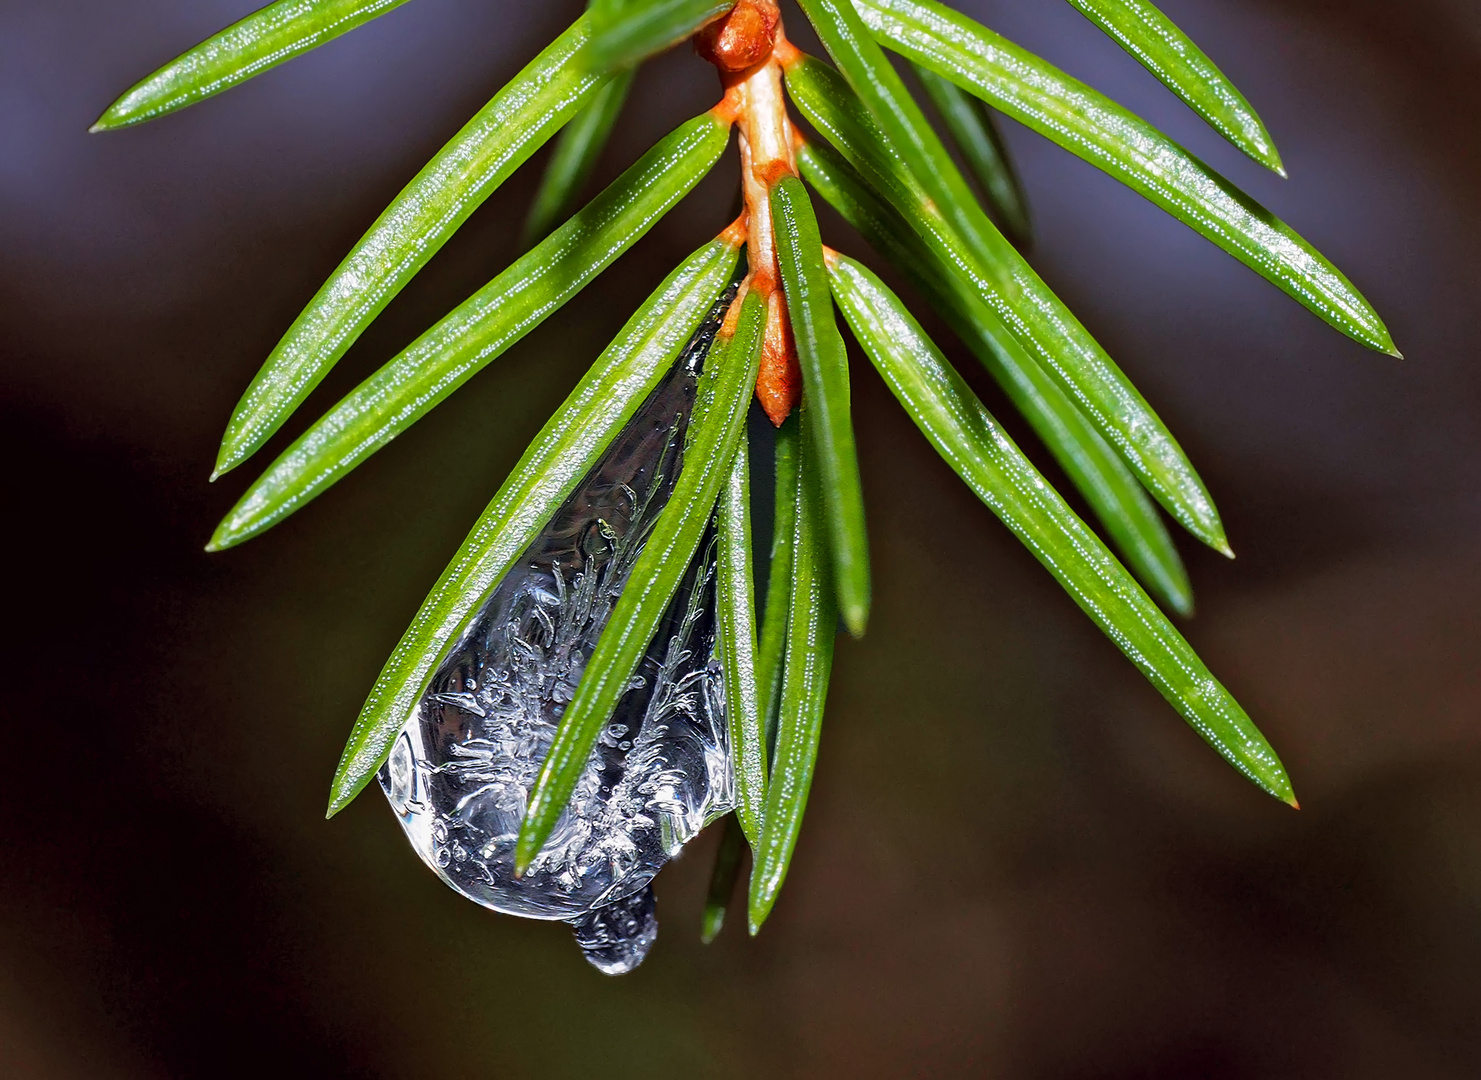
x=221, y=539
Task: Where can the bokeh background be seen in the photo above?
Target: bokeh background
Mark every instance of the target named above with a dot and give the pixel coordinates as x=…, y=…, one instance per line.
x=1018, y=861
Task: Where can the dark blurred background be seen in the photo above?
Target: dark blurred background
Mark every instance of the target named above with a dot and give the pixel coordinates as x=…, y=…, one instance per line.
x=1018, y=861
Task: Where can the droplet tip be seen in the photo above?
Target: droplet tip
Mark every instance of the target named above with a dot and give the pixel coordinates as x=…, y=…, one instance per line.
x=710, y=929
x=1223, y=548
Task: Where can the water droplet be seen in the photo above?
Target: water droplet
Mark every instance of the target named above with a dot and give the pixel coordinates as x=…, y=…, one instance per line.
x=616, y=937
x=461, y=771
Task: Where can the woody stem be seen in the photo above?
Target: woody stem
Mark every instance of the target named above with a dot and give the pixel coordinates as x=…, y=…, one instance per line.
x=766, y=156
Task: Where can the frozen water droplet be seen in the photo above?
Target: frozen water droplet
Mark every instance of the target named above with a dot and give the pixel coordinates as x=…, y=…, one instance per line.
x=616, y=937
x=460, y=773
